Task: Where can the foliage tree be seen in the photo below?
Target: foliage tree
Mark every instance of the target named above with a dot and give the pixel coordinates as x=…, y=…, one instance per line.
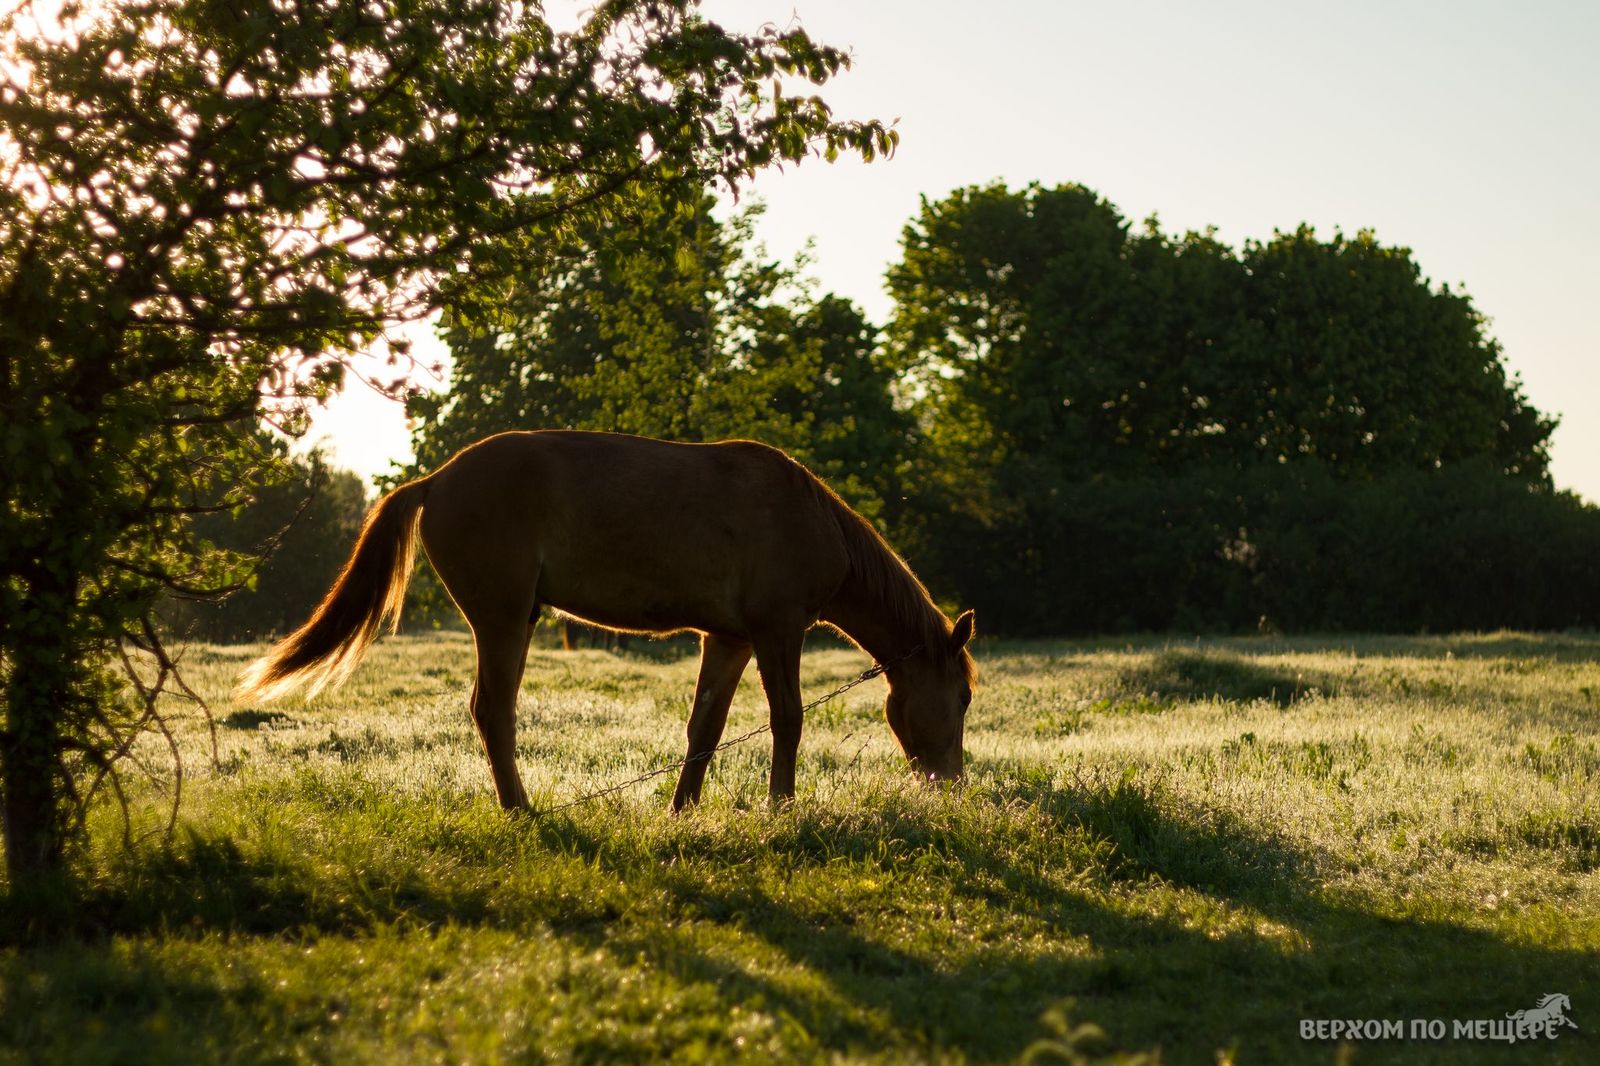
x=849, y=424
x=624, y=338
x=1291, y=547
x=1352, y=357
x=1135, y=424
x=676, y=326
x=205, y=207
x=301, y=530
x=1065, y=346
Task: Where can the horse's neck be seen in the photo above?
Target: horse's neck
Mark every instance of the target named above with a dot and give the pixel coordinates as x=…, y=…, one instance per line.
x=870, y=622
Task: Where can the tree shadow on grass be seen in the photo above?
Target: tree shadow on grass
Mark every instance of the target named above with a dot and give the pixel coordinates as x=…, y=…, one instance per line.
x=1175, y=926
x=1570, y=647
x=1157, y=976
x=1194, y=675
x=1556, y=647
x=73, y=1003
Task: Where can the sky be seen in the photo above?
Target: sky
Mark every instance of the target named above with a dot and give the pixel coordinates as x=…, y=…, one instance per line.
x=1468, y=132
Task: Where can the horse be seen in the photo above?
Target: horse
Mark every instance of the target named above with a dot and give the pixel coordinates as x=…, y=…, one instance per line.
x=735, y=541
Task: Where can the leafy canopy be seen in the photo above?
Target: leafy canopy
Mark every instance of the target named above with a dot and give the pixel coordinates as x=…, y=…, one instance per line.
x=1130, y=429
x=1063, y=345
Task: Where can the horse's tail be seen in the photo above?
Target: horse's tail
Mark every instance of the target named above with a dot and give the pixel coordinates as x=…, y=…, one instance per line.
x=371, y=587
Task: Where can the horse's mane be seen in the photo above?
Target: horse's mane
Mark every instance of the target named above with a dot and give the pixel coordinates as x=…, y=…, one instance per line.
x=885, y=577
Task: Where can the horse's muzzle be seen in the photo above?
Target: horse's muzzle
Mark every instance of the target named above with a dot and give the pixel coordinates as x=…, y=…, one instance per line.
x=938, y=772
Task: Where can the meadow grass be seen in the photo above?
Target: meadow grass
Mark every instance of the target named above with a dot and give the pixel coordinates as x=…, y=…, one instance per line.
x=1191, y=845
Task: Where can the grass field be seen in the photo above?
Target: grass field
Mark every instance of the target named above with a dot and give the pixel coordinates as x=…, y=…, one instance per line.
x=1190, y=845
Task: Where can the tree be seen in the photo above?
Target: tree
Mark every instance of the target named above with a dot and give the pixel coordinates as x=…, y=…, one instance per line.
x=205, y=208
x=677, y=326
x=847, y=422
x=1139, y=427
x=1062, y=347
x=301, y=530
x=1355, y=359
x=674, y=325
x=631, y=337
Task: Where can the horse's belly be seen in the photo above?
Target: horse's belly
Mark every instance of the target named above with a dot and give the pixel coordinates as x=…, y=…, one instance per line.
x=617, y=598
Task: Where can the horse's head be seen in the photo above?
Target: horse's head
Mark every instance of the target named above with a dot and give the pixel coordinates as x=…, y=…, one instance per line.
x=927, y=704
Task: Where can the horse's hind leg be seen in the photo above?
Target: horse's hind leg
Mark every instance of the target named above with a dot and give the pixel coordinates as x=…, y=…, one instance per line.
x=722, y=663
x=502, y=648
x=778, y=659
x=486, y=554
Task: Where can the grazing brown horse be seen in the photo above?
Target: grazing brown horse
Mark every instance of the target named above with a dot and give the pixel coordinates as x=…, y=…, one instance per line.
x=735, y=540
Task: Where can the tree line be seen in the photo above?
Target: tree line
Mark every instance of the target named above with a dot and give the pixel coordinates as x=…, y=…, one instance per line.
x=1074, y=423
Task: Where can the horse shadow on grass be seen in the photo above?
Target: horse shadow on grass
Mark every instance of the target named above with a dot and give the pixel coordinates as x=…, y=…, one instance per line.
x=252, y=718
x=1179, y=928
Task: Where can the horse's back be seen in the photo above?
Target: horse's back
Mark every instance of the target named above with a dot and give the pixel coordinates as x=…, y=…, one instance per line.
x=618, y=479
x=640, y=533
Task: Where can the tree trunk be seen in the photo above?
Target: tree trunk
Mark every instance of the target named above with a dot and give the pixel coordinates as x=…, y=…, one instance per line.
x=31, y=813
x=44, y=680
x=31, y=816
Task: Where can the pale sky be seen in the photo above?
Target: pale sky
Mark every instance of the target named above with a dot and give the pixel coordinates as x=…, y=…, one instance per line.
x=1466, y=131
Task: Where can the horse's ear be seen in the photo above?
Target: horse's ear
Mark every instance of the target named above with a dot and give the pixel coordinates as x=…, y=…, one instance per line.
x=962, y=632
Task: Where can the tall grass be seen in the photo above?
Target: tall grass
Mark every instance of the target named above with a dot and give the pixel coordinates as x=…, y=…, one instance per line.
x=1190, y=845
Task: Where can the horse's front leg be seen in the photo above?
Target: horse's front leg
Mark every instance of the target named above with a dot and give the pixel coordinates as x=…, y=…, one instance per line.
x=722, y=663
x=778, y=659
